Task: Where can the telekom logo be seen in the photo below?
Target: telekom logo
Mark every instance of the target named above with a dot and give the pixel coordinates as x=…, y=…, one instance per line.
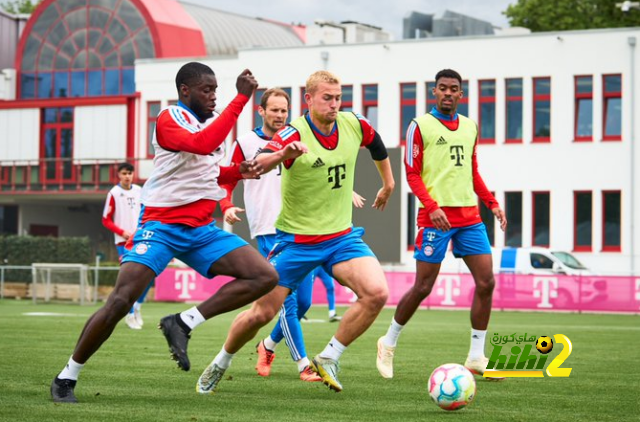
x=185, y=282
x=545, y=288
x=449, y=287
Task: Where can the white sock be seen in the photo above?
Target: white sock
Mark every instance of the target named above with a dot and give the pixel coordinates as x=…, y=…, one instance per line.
x=391, y=338
x=136, y=306
x=269, y=344
x=332, y=313
x=223, y=359
x=71, y=371
x=302, y=364
x=192, y=317
x=334, y=349
x=477, y=343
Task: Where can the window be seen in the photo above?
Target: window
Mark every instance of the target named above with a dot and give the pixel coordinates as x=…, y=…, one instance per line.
x=8, y=219
x=303, y=104
x=153, y=109
x=541, y=109
x=347, y=98
x=612, y=107
x=541, y=205
x=583, y=125
x=489, y=221
x=514, y=110
x=257, y=97
x=513, y=209
x=370, y=104
x=611, y=221
x=582, y=226
x=83, y=49
x=407, y=108
x=541, y=262
x=56, y=148
x=487, y=113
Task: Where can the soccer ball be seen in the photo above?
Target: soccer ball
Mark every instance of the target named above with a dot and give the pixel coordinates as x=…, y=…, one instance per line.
x=544, y=344
x=452, y=386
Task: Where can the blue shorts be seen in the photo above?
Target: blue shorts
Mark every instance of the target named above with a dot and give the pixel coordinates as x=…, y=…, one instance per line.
x=265, y=243
x=294, y=261
x=156, y=244
x=121, y=251
x=431, y=244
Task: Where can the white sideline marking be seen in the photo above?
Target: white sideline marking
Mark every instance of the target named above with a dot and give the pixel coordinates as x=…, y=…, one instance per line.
x=50, y=314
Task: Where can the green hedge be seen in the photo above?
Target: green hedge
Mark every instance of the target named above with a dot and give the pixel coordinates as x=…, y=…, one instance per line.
x=25, y=250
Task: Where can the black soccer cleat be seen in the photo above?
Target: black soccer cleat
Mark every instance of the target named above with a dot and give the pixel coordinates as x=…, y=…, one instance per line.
x=177, y=339
x=62, y=391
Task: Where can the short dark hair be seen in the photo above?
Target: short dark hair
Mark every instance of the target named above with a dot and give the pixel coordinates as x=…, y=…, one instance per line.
x=277, y=92
x=125, y=166
x=191, y=73
x=449, y=73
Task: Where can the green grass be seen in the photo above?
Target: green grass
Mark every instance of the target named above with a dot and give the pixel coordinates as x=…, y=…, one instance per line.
x=132, y=379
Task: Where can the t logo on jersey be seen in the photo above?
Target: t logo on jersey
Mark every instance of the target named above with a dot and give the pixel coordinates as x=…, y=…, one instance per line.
x=457, y=153
x=337, y=176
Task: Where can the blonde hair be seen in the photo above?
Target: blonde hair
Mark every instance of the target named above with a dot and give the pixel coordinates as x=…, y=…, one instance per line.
x=321, y=76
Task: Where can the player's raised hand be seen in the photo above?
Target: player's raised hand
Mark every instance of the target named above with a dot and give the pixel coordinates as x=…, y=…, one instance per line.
x=246, y=83
x=231, y=215
x=294, y=150
x=501, y=216
x=251, y=169
x=440, y=220
x=358, y=201
x=382, y=198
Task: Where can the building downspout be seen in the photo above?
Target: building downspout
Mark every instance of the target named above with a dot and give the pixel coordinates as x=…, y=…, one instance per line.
x=632, y=247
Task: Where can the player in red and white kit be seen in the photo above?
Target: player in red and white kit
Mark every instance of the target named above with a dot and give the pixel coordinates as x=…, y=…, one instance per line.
x=176, y=221
x=442, y=171
x=120, y=216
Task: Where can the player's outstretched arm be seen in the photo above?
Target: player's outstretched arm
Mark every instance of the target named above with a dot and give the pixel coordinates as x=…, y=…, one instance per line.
x=388, y=184
x=270, y=160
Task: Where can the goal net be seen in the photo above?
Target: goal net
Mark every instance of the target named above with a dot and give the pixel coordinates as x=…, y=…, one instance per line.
x=61, y=282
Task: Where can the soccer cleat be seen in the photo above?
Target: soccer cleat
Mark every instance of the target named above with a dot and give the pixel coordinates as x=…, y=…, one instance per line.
x=177, y=340
x=327, y=369
x=335, y=318
x=265, y=359
x=62, y=391
x=209, y=379
x=478, y=366
x=309, y=375
x=131, y=322
x=384, y=361
x=138, y=316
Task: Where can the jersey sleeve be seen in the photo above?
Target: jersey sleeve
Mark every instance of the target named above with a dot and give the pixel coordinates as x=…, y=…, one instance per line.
x=282, y=138
x=108, y=213
x=479, y=186
x=174, y=132
x=413, y=168
x=368, y=132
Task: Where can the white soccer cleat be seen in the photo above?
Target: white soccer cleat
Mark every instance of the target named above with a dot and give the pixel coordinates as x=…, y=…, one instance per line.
x=384, y=361
x=209, y=379
x=138, y=315
x=478, y=366
x=131, y=322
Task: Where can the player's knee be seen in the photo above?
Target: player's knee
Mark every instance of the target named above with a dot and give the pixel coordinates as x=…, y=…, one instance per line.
x=267, y=278
x=262, y=316
x=485, y=285
x=423, y=289
x=378, y=297
x=118, y=306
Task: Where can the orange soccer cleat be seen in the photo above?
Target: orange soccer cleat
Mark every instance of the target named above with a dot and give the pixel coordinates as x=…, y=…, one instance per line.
x=265, y=359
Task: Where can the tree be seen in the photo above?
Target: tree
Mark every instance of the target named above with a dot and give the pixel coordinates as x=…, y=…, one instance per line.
x=16, y=7
x=562, y=15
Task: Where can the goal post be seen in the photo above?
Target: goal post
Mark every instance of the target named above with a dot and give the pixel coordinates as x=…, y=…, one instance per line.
x=60, y=282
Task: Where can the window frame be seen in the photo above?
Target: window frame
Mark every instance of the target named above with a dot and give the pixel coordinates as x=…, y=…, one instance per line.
x=484, y=100
x=577, y=97
x=533, y=217
x=412, y=102
x=151, y=118
x=366, y=104
x=257, y=97
x=508, y=99
x=605, y=97
x=536, y=99
x=576, y=247
x=611, y=248
x=303, y=104
x=346, y=104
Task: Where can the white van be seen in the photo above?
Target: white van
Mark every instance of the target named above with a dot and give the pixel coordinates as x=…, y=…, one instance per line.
x=538, y=261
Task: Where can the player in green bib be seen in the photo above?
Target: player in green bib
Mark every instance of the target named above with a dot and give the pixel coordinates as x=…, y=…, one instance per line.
x=318, y=153
x=442, y=171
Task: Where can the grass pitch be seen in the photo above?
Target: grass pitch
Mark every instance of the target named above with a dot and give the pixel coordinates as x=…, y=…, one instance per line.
x=132, y=379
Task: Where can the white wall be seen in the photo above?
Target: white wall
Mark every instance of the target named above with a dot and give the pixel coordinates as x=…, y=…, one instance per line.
x=100, y=132
x=21, y=134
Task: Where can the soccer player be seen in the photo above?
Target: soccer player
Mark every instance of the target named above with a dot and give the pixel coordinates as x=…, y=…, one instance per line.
x=176, y=221
x=442, y=171
x=318, y=152
x=120, y=216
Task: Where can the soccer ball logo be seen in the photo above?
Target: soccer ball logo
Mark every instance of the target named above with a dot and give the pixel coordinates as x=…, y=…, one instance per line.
x=452, y=386
x=544, y=344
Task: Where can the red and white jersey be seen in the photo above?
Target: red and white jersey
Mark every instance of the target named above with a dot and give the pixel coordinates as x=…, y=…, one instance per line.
x=122, y=209
x=262, y=197
x=181, y=177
